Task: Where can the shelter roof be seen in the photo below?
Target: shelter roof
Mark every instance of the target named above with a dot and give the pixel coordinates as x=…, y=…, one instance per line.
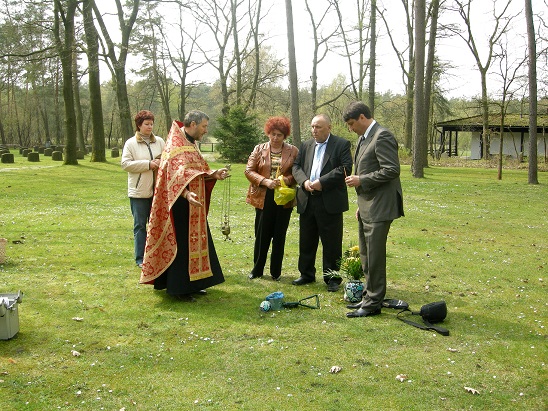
x=513, y=122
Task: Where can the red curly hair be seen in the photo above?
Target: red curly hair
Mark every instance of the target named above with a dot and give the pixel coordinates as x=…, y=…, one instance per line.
x=281, y=124
x=142, y=116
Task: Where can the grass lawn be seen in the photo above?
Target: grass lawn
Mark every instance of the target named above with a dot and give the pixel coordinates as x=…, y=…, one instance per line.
x=478, y=243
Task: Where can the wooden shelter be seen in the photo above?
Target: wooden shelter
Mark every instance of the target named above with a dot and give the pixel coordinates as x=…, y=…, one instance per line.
x=515, y=137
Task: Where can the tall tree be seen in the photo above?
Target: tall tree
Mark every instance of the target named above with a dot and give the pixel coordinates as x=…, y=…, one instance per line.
x=532, y=174
x=372, y=55
x=501, y=22
x=94, y=84
x=119, y=61
x=293, y=79
x=354, y=42
x=64, y=14
x=217, y=18
x=433, y=14
x=77, y=104
x=150, y=38
x=254, y=24
x=420, y=121
x=405, y=55
x=237, y=55
x=508, y=71
x=321, y=47
x=181, y=53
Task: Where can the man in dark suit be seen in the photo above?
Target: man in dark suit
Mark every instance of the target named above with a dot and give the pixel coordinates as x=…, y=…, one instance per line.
x=320, y=169
x=380, y=201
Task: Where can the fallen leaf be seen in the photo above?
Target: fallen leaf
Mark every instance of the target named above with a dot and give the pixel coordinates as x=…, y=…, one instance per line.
x=77, y=318
x=335, y=369
x=471, y=390
x=75, y=353
x=401, y=377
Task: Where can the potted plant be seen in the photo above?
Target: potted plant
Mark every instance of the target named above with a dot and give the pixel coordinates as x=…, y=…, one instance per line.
x=351, y=269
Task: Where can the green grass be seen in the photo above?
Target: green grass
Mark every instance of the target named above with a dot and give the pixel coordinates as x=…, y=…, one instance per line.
x=478, y=243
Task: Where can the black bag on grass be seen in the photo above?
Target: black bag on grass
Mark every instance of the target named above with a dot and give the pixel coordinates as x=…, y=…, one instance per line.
x=430, y=313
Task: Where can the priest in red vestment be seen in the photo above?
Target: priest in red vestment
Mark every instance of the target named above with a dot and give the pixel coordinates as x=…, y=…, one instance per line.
x=180, y=255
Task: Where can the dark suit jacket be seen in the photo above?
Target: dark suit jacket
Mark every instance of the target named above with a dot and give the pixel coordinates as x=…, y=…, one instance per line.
x=380, y=195
x=336, y=159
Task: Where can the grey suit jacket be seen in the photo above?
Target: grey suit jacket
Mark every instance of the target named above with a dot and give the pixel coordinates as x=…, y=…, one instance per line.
x=337, y=158
x=380, y=195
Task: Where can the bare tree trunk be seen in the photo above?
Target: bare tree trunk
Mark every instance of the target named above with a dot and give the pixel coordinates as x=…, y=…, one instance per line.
x=119, y=62
x=463, y=8
x=94, y=83
x=486, y=134
x=532, y=174
x=372, y=55
x=2, y=132
x=77, y=104
x=65, y=48
x=256, y=54
x=237, y=56
x=501, y=142
x=293, y=81
x=152, y=49
x=408, y=74
x=58, y=128
x=419, y=117
x=318, y=54
x=219, y=21
x=429, y=74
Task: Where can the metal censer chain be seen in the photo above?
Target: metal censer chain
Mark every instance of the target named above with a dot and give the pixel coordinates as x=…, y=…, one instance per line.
x=225, y=207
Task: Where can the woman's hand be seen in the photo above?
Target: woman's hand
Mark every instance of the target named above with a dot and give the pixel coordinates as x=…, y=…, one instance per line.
x=269, y=183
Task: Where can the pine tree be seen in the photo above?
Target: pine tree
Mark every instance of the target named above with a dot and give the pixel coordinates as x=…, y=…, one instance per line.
x=237, y=135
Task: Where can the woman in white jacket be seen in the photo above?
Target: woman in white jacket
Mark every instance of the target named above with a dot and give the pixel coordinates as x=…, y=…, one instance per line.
x=141, y=158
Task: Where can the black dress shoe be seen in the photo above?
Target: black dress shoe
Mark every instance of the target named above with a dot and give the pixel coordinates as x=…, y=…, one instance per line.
x=252, y=276
x=303, y=281
x=275, y=278
x=354, y=306
x=363, y=312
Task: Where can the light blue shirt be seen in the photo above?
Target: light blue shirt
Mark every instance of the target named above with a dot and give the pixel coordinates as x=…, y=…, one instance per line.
x=319, y=152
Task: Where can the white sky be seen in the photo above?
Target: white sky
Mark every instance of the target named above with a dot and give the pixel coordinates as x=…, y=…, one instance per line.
x=461, y=81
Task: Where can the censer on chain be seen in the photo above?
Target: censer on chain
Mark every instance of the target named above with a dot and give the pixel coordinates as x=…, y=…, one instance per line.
x=225, y=210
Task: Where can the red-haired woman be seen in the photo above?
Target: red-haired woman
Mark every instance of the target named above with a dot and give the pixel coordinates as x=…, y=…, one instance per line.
x=140, y=158
x=267, y=162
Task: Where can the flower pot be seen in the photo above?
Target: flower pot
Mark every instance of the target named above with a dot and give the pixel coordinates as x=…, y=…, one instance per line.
x=353, y=291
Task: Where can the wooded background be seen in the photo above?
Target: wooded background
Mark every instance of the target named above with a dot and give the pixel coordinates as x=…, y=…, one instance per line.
x=75, y=72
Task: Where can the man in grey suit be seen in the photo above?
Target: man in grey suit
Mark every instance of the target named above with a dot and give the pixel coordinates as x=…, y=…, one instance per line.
x=320, y=169
x=380, y=201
